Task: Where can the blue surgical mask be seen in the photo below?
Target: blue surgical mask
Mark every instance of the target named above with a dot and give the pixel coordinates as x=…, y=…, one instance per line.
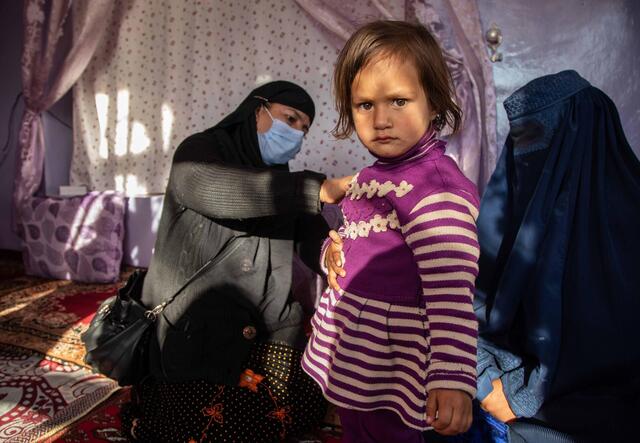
x=280, y=143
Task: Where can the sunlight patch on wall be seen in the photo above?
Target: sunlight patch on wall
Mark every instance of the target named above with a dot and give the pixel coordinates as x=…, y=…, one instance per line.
x=129, y=185
x=139, y=139
x=102, y=108
x=136, y=142
x=122, y=123
x=167, y=126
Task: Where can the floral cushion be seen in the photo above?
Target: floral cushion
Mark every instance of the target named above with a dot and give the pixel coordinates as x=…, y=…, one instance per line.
x=78, y=238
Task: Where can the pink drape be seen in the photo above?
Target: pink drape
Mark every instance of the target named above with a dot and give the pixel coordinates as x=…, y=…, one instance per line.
x=456, y=25
x=45, y=80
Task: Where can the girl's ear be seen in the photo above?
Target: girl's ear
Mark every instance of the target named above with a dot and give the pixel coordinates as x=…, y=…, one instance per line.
x=438, y=122
x=433, y=119
x=434, y=113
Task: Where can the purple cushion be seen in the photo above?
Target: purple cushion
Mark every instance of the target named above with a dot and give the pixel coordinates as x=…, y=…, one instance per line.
x=78, y=238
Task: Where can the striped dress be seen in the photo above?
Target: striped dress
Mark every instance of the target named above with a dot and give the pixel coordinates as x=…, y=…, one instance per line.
x=403, y=322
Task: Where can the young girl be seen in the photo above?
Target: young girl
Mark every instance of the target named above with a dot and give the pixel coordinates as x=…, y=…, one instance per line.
x=394, y=340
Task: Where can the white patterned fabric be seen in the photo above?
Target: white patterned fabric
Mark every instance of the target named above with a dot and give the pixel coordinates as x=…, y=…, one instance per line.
x=167, y=69
x=380, y=189
x=378, y=224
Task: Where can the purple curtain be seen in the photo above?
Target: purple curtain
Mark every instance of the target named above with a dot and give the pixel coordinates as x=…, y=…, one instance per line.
x=45, y=81
x=456, y=24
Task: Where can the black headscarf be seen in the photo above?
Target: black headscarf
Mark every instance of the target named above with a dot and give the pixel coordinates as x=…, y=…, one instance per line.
x=235, y=136
x=558, y=293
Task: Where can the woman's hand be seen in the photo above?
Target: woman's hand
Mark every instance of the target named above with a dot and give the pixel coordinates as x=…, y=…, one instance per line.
x=333, y=190
x=496, y=403
x=333, y=260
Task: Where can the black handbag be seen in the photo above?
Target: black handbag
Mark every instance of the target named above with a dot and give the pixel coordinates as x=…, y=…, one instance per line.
x=116, y=340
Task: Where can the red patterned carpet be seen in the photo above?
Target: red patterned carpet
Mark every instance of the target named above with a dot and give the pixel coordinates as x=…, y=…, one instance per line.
x=100, y=425
x=44, y=384
x=47, y=394
x=48, y=316
x=39, y=395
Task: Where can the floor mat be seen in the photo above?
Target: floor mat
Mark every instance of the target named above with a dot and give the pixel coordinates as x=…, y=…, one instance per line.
x=49, y=316
x=39, y=394
x=101, y=425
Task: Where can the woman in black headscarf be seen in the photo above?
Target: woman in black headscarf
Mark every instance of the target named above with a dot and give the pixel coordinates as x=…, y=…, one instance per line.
x=558, y=293
x=224, y=357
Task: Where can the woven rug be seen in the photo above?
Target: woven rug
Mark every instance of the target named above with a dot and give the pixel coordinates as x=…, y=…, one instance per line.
x=39, y=394
x=102, y=424
x=44, y=384
x=49, y=316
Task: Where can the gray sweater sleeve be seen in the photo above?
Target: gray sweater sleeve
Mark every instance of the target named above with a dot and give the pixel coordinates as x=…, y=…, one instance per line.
x=216, y=190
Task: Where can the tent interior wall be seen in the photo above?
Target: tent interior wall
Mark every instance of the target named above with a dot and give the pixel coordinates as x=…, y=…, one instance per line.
x=540, y=38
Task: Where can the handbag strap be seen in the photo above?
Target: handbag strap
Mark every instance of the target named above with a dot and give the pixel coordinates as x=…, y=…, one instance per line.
x=152, y=314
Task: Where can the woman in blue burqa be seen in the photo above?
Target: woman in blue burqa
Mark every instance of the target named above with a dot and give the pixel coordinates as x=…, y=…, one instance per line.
x=558, y=294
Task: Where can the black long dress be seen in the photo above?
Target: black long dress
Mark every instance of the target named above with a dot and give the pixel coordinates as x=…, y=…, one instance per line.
x=223, y=202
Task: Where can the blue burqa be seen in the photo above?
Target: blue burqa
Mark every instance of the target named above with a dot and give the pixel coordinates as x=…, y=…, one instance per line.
x=558, y=293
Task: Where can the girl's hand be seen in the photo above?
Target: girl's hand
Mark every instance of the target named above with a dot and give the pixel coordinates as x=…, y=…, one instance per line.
x=333, y=190
x=333, y=260
x=496, y=403
x=449, y=411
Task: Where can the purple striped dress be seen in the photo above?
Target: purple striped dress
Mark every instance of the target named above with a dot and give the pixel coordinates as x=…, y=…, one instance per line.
x=403, y=323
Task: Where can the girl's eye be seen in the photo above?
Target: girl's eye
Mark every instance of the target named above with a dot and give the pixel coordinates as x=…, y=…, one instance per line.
x=291, y=119
x=365, y=106
x=400, y=102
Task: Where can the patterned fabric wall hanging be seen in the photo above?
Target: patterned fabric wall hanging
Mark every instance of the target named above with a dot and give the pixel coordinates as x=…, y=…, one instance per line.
x=167, y=69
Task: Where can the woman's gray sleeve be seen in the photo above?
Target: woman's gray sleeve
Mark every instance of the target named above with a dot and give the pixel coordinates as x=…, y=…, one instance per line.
x=231, y=192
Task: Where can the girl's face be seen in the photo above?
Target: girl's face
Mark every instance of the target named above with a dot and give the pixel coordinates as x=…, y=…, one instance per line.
x=391, y=112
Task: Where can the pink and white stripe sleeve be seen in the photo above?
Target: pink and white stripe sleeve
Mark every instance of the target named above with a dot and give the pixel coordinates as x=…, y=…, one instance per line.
x=441, y=231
